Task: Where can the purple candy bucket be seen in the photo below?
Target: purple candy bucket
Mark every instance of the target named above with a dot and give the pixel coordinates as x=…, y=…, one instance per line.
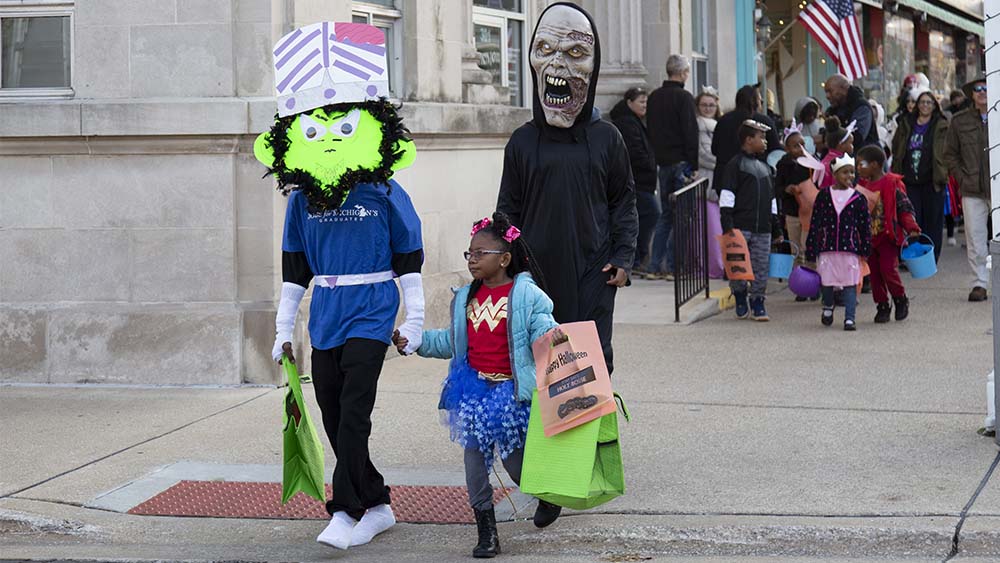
x=804, y=282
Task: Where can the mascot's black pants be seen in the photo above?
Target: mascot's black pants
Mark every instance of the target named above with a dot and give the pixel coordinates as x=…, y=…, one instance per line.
x=346, y=379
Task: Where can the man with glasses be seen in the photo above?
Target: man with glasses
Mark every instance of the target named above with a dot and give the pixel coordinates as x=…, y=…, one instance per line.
x=969, y=163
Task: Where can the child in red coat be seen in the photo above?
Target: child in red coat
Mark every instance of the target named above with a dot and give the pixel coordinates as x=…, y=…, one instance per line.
x=892, y=219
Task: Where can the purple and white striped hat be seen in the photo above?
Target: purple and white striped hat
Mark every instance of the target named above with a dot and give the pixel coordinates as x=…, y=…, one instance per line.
x=329, y=63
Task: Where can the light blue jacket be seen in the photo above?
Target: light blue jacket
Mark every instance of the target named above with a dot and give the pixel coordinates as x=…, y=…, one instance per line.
x=529, y=316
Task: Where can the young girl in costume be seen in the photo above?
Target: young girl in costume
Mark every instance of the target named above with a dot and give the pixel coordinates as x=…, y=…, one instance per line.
x=487, y=393
x=788, y=175
x=839, y=236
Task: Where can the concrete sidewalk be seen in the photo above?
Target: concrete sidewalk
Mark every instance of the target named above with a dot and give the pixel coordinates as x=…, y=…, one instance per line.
x=782, y=439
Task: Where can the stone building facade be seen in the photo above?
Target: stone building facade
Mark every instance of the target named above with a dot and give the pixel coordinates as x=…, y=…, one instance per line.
x=139, y=242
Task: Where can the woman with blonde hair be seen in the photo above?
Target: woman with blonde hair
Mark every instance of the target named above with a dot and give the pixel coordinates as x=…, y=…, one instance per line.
x=707, y=104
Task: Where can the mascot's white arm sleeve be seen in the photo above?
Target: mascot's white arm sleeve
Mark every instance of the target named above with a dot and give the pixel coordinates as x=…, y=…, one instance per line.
x=413, y=300
x=284, y=322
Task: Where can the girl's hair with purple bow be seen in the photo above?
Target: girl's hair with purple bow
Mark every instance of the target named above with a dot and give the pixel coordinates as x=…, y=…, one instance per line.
x=504, y=232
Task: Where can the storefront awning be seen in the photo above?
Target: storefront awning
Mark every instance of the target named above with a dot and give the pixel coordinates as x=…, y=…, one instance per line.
x=937, y=12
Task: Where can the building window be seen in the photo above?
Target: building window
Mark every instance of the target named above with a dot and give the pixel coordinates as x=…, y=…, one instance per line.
x=498, y=30
x=36, y=49
x=699, y=45
x=384, y=15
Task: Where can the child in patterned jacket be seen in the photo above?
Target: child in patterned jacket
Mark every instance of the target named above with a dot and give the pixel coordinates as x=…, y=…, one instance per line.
x=840, y=234
x=487, y=394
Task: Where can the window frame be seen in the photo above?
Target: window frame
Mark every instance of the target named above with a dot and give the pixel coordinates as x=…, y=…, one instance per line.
x=381, y=17
x=702, y=34
x=492, y=17
x=36, y=9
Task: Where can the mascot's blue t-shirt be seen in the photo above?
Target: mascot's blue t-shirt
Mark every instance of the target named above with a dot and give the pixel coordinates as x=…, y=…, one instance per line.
x=358, y=238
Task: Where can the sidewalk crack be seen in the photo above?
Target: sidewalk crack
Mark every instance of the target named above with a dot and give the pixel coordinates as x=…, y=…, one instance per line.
x=968, y=506
x=127, y=448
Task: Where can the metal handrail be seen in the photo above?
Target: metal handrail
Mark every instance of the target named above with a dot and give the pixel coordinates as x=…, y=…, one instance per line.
x=690, y=234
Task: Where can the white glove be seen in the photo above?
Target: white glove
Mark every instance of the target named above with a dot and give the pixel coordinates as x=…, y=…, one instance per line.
x=413, y=299
x=284, y=321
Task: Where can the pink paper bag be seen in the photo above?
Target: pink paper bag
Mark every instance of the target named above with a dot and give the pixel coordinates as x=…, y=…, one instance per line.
x=574, y=386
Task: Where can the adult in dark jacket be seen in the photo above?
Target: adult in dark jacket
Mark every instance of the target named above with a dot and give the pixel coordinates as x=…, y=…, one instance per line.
x=673, y=131
x=627, y=115
x=566, y=179
x=918, y=148
x=849, y=103
x=725, y=142
x=969, y=163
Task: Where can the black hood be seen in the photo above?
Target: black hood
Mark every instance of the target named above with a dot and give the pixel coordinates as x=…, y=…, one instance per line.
x=586, y=113
x=855, y=95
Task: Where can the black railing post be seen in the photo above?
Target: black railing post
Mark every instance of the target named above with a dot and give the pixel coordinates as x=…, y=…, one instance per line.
x=690, y=234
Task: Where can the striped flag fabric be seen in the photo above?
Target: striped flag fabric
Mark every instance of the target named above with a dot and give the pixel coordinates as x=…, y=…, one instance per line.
x=833, y=25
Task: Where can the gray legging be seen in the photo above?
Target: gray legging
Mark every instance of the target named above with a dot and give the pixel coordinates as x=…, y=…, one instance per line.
x=760, y=260
x=477, y=477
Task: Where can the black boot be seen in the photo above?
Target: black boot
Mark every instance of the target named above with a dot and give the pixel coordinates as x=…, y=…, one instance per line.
x=884, y=310
x=902, y=307
x=489, y=543
x=546, y=513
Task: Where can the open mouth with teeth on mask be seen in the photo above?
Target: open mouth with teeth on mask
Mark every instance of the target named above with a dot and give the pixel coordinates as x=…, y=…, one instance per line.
x=557, y=91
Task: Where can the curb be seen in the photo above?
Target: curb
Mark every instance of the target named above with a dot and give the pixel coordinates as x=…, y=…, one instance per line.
x=755, y=540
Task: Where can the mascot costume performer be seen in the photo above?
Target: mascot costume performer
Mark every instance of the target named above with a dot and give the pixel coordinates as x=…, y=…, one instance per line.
x=567, y=182
x=350, y=230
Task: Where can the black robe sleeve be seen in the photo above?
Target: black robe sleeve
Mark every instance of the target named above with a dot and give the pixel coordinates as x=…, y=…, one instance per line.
x=295, y=268
x=621, y=206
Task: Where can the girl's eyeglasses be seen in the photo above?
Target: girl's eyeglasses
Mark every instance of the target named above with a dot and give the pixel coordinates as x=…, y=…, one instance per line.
x=478, y=254
x=979, y=88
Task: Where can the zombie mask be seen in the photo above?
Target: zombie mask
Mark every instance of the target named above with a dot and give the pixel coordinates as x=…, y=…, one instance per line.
x=562, y=54
x=335, y=128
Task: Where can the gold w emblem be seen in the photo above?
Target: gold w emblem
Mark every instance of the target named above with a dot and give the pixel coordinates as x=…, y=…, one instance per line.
x=488, y=312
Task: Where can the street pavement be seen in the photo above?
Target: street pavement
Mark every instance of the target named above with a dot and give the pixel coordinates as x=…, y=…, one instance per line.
x=748, y=440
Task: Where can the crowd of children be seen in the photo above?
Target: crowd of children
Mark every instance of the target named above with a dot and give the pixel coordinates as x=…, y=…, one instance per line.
x=845, y=217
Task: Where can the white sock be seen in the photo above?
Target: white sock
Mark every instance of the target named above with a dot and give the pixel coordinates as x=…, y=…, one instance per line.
x=338, y=531
x=377, y=520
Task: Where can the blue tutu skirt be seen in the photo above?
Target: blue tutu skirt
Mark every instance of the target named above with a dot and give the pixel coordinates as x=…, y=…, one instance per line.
x=483, y=415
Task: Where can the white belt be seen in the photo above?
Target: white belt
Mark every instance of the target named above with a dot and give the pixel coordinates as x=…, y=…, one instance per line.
x=353, y=279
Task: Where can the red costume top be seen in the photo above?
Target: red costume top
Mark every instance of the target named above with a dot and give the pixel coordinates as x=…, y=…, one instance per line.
x=890, y=208
x=489, y=348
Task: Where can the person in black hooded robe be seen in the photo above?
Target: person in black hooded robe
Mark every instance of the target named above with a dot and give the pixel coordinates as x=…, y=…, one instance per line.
x=567, y=182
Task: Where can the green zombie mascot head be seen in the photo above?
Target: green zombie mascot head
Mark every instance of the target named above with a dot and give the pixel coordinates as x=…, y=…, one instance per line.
x=335, y=128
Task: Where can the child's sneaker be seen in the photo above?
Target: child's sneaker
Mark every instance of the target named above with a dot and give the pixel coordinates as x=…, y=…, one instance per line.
x=849, y=325
x=757, y=311
x=827, y=317
x=902, y=307
x=742, y=308
x=952, y=241
x=883, y=312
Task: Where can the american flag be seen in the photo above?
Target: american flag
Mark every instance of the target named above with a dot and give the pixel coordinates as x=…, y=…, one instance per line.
x=833, y=25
